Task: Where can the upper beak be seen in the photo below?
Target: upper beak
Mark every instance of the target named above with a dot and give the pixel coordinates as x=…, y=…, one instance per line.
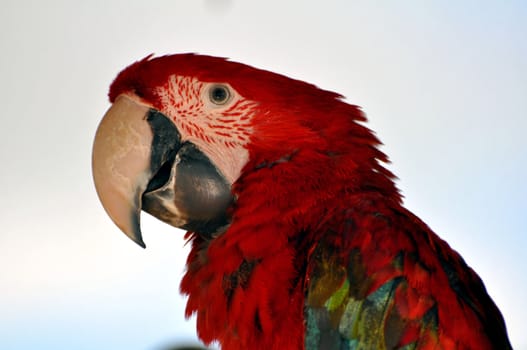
x=121, y=163
x=140, y=163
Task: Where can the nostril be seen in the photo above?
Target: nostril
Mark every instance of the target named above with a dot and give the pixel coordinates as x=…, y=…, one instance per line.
x=139, y=93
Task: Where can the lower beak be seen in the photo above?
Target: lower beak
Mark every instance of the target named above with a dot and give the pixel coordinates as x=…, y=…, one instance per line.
x=140, y=163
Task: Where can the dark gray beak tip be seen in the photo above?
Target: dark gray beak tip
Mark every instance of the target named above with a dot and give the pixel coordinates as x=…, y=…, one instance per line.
x=136, y=237
x=141, y=244
x=136, y=234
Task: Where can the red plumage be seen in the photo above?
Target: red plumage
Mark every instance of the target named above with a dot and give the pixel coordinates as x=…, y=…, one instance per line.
x=315, y=209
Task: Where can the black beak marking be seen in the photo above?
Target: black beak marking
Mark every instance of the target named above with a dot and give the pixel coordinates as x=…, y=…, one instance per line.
x=165, y=145
x=186, y=189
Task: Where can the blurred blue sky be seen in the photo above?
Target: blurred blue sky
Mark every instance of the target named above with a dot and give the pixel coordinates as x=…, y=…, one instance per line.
x=444, y=84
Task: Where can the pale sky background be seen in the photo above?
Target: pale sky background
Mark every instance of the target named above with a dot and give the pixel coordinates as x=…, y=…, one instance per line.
x=444, y=84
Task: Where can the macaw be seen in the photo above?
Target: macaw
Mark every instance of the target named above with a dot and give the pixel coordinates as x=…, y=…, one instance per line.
x=299, y=238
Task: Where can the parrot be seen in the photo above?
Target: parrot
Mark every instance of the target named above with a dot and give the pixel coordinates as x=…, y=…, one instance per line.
x=299, y=238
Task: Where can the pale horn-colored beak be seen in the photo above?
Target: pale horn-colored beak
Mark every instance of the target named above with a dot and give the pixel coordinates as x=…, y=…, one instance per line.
x=140, y=163
x=121, y=163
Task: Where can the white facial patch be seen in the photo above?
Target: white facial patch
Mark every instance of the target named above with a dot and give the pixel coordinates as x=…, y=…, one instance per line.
x=222, y=132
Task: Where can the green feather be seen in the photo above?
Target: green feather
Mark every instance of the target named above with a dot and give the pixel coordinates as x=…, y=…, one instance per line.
x=336, y=300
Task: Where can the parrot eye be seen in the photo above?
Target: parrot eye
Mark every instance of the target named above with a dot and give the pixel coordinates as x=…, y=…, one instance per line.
x=219, y=94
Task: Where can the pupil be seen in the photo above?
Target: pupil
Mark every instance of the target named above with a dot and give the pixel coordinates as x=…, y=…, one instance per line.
x=219, y=94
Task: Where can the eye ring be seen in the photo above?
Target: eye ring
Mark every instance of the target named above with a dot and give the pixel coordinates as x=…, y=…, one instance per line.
x=219, y=94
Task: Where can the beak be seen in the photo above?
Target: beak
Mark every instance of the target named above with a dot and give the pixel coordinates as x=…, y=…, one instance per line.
x=140, y=163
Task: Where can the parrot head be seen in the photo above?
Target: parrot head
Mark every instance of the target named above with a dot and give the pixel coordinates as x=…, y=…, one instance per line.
x=184, y=130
